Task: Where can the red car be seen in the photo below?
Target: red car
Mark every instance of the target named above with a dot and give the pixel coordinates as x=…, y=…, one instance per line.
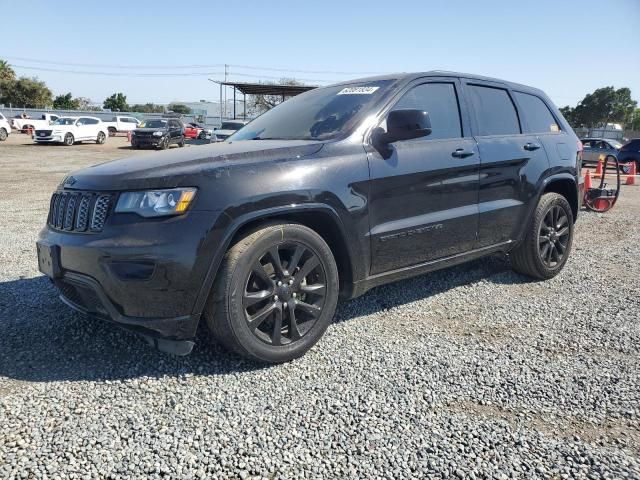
x=193, y=130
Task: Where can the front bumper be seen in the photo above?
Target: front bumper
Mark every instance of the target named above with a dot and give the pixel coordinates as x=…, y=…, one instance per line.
x=143, y=274
x=149, y=141
x=50, y=139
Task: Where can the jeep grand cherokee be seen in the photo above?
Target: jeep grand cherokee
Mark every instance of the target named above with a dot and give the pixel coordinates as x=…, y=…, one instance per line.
x=327, y=195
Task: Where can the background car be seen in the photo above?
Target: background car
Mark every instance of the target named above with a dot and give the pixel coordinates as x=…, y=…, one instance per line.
x=158, y=133
x=196, y=130
x=5, y=128
x=594, y=147
x=70, y=130
x=122, y=124
x=630, y=152
x=227, y=129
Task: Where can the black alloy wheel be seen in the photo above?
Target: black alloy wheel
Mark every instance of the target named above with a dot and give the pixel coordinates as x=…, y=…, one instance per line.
x=284, y=294
x=553, y=236
x=275, y=293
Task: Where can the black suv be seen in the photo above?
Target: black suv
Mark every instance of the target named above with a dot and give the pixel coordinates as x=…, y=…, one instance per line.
x=628, y=153
x=329, y=194
x=158, y=133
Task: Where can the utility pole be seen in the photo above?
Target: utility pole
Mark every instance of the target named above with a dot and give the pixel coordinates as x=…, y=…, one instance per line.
x=226, y=74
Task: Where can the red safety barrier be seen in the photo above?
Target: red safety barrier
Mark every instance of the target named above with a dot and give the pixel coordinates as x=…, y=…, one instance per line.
x=631, y=178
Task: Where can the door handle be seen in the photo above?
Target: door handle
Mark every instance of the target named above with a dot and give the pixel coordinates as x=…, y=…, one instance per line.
x=531, y=146
x=462, y=153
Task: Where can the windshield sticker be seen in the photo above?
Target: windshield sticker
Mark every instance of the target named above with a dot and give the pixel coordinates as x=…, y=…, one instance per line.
x=358, y=90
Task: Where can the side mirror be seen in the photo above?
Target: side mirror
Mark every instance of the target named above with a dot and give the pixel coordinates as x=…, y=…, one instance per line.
x=405, y=125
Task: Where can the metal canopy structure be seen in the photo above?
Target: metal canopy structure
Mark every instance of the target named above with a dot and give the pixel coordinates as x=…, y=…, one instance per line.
x=266, y=89
x=245, y=88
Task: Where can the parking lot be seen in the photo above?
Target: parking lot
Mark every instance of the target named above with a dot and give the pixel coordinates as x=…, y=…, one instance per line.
x=473, y=371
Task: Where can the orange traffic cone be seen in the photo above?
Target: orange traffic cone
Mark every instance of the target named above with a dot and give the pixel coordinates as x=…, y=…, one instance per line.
x=631, y=178
x=129, y=136
x=599, y=167
x=587, y=181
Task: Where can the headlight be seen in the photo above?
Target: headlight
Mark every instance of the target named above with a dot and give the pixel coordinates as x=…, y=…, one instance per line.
x=157, y=134
x=133, y=132
x=156, y=203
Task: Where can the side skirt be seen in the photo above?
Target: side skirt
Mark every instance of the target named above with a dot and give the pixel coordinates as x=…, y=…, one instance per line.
x=368, y=283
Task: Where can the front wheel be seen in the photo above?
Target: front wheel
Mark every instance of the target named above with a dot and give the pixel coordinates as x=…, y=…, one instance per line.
x=3, y=134
x=548, y=239
x=164, y=144
x=68, y=140
x=101, y=138
x=275, y=293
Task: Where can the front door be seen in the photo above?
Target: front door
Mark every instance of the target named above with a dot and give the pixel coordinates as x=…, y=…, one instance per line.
x=424, y=193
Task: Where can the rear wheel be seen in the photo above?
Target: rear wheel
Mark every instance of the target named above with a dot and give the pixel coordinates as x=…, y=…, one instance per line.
x=101, y=138
x=68, y=140
x=275, y=293
x=548, y=239
x=181, y=142
x=3, y=134
x=112, y=131
x=202, y=136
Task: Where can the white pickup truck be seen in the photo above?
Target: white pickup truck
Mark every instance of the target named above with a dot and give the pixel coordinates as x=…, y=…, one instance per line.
x=121, y=124
x=25, y=123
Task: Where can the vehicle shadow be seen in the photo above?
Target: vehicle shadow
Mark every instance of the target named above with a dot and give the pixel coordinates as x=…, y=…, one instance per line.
x=42, y=340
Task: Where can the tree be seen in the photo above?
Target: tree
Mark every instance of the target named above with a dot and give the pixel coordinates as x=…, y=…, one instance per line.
x=116, y=103
x=634, y=123
x=179, y=108
x=66, y=102
x=147, y=108
x=7, y=78
x=27, y=92
x=604, y=105
x=86, y=104
x=258, y=104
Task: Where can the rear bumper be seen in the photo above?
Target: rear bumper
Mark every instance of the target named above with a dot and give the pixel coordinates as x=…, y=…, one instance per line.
x=85, y=295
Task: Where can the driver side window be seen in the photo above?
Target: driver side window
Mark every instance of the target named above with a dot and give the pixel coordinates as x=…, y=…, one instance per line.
x=440, y=101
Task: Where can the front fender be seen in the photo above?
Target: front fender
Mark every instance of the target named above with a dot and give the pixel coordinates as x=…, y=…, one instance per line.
x=227, y=226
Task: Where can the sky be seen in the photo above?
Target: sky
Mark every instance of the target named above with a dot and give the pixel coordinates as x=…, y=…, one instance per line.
x=161, y=51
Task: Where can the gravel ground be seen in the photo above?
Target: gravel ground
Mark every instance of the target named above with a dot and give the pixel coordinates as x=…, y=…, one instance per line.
x=471, y=372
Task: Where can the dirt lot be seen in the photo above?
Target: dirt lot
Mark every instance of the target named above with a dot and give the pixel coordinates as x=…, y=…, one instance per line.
x=472, y=372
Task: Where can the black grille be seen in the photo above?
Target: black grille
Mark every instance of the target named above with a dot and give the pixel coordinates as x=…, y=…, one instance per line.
x=82, y=297
x=43, y=133
x=79, y=211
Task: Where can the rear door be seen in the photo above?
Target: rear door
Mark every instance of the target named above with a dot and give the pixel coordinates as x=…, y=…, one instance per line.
x=423, y=196
x=509, y=160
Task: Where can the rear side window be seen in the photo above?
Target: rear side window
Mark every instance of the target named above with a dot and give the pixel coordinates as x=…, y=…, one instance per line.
x=539, y=117
x=494, y=111
x=441, y=102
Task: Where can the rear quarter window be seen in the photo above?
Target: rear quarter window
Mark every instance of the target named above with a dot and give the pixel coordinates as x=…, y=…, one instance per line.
x=538, y=117
x=494, y=111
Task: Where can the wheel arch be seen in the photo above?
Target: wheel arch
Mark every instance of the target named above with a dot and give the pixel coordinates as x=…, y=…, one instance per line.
x=322, y=219
x=566, y=186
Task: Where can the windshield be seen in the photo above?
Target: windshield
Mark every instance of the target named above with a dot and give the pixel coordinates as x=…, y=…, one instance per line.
x=615, y=144
x=65, y=121
x=155, y=124
x=231, y=126
x=318, y=114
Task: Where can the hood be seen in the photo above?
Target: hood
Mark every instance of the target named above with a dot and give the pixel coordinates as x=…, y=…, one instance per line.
x=185, y=166
x=224, y=133
x=151, y=130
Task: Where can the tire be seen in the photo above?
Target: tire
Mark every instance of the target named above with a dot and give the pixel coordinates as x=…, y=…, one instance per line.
x=165, y=143
x=202, y=136
x=68, y=140
x=181, y=142
x=112, y=131
x=134, y=145
x=547, y=243
x=3, y=134
x=101, y=138
x=246, y=290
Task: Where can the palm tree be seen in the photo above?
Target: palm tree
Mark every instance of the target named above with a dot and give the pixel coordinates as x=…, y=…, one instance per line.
x=6, y=72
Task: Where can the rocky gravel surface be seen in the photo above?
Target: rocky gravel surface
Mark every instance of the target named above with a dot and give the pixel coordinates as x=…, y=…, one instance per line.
x=471, y=372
